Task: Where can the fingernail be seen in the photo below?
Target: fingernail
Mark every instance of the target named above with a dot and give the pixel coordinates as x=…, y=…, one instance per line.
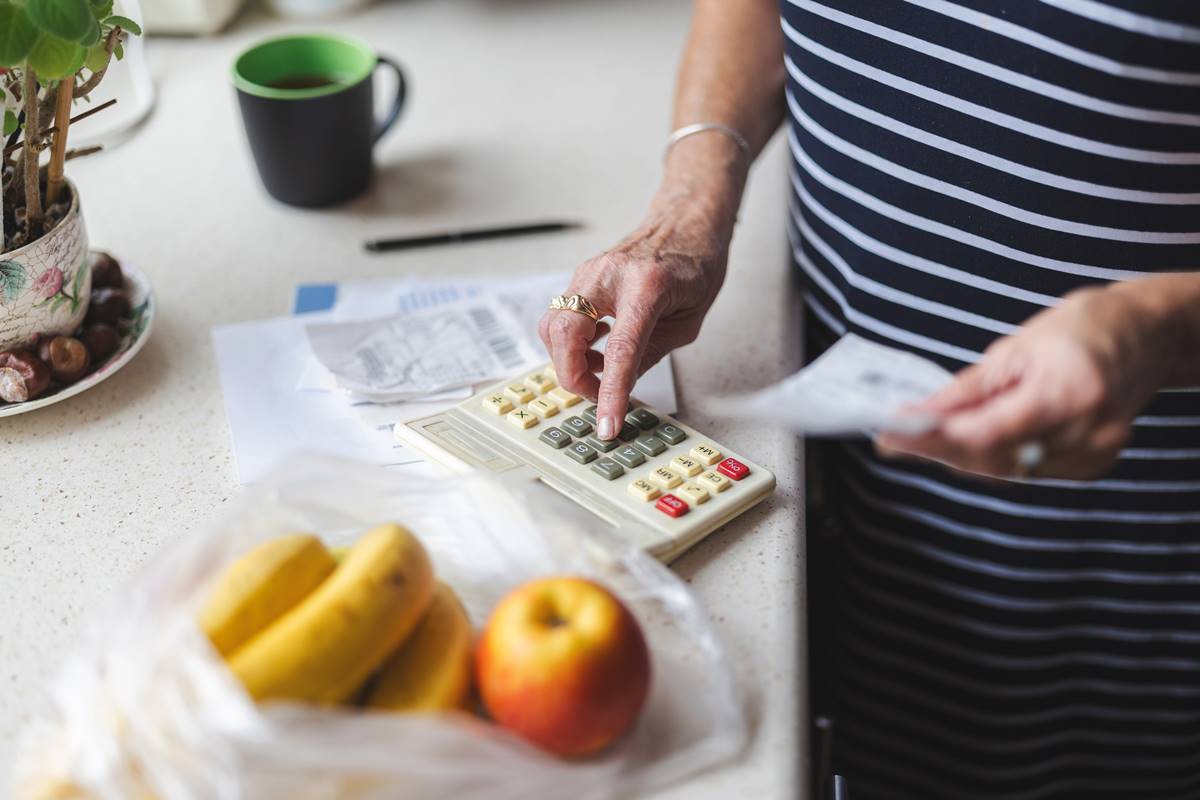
x=606, y=428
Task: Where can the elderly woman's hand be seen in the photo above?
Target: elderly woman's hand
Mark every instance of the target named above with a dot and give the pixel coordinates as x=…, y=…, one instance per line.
x=1071, y=379
x=657, y=285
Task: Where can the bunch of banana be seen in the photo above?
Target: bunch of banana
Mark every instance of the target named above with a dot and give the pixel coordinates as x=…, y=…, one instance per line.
x=295, y=621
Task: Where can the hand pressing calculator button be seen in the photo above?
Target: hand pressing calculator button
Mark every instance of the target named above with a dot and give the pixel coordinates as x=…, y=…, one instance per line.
x=664, y=484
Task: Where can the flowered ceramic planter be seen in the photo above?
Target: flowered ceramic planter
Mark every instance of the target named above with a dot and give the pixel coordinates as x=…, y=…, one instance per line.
x=45, y=286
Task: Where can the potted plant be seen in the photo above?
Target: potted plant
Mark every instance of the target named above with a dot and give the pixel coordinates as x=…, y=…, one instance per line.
x=53, y=54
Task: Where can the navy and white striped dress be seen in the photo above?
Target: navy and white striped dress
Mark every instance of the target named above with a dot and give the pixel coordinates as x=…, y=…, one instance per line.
x=958, y=167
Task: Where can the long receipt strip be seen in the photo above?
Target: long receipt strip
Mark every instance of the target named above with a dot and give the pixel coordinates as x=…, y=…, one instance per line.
x=413, y=355
x=854, y=387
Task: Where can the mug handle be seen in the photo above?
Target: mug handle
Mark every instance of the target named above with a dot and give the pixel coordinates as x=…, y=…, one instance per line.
x=398, y=104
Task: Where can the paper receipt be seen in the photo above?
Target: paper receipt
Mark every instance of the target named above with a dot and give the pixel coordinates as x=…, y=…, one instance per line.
x=415, y=354
x=855, y=387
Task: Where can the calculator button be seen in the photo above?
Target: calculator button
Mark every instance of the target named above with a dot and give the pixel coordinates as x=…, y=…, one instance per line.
x=671, y=505
x=733, y=469
x=706, y=454
x=629, y=432
x=672, y=434
x=608, y=469
x=543, y=407
x=630, y=456
x=522, y=418
x=589, y=414
x=582, y=452
x=642, y=418
x=603, y=445
x=576, y=426
x=693, y=493
x=664, y=478
x=497, y=404
x=556, y=438
x=686, y=465
x=643, y=489
x=650, y=445
x=518, y=393
x=539, y=382
x=564, y=398
x=714, y=481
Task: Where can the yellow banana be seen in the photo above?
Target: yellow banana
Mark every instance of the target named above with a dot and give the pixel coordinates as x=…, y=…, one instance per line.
x=340, y=552
x=432, y=670
x=324, y=648
x=261, y=586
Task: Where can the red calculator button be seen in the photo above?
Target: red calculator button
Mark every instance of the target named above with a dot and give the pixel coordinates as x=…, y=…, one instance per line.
x=733, y=469
x=671, y=505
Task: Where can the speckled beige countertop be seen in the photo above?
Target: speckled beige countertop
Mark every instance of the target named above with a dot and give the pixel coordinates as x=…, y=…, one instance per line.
x=518, y=110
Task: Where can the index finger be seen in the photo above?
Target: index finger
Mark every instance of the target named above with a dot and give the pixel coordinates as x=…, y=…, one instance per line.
x=622, y=366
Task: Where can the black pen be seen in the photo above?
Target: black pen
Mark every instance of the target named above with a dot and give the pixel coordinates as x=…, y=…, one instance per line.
x=452, y=237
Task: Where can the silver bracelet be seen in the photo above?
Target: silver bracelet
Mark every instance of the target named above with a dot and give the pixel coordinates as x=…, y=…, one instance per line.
x=701, y=127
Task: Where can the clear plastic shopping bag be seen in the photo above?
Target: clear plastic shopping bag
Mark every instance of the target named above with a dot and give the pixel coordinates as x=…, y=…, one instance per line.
x=144, y=707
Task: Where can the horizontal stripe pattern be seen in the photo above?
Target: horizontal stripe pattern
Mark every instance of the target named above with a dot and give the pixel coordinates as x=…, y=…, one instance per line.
x=957, y=167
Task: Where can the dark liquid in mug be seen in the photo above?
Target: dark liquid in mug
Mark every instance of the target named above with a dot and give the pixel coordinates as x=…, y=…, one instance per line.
x=302, y=82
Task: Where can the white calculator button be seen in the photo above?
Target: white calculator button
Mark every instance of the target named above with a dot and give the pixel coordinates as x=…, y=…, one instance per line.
x=543, y=407
x=539, y=382
x=693, y=493
x=497, y=404
x=518, y=393
x=664, y=478
x=522, y=418
x=714, y=481
x=706, y=454
x=642, y=489
x=686, y=465
x=564, y=398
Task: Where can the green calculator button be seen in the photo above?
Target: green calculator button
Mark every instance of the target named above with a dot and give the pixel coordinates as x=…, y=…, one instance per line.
x=672, y=434
x=603, y=445
x=630, y=456
x=582, y=452
x=629, y=432
x=576, y=426
x=589, y=414
x=650, y=445
x=608, y=469
x=555, y=438
x=642, y=418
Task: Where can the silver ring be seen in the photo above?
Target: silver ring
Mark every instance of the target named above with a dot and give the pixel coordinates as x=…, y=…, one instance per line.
x=1029, y=457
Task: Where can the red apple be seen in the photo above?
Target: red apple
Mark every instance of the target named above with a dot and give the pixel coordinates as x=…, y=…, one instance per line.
x=564, y=664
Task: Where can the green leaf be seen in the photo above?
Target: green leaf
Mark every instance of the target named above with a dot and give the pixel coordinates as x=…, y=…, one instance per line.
x=97, y=58
x=102, y=9
x=93, y=34
x=125, y=23
x=12, y=279
x=10, y=122
x=66, y=19
x=119, y=52
x=52, y=58
x=77, y=281
x=18, y=34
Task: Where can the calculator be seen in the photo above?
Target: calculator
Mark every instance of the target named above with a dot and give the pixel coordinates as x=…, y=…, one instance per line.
x=673, y=483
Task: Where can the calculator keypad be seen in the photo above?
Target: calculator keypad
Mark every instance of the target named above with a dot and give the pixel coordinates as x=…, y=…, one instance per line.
x=659, y=463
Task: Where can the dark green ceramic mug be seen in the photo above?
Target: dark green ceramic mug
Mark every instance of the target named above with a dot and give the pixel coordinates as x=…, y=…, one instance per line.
x=307, y=103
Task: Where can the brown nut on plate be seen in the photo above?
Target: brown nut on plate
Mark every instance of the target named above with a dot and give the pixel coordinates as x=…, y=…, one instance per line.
x=22, y=376
x=107, y=306
x=101, y=341
x=106, y=273
x=67, y=358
